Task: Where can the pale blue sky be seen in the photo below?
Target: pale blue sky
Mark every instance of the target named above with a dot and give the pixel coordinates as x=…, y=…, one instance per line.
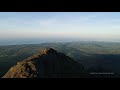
x=60, y=25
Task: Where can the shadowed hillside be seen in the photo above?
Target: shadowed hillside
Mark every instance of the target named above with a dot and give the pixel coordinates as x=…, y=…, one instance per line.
x=46, y=64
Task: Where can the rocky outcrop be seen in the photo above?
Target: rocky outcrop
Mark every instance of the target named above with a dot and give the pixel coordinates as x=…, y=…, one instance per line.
x=47, y=64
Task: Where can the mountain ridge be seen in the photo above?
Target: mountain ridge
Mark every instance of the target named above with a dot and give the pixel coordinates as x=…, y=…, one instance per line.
x=47, y=64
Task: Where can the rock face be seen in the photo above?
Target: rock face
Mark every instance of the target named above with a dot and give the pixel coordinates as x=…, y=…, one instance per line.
x=46, y=64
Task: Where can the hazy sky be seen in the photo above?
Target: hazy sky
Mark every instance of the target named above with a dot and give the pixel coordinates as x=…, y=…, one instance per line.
x=60, y=25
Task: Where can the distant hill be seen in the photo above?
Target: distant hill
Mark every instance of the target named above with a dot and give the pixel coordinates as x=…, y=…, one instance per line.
x=47, y=64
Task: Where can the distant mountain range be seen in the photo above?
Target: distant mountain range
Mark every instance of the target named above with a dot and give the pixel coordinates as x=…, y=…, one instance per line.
x=93, y=56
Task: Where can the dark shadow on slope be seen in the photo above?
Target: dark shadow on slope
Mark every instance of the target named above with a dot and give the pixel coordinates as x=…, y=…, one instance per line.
x=105, y=66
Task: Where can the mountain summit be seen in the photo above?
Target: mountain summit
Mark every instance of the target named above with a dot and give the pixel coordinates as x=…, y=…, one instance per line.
x=47, y=64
